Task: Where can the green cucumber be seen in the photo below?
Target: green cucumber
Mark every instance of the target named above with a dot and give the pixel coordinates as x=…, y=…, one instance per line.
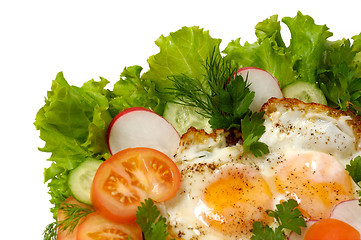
x=81, y=178
x=183, y=117
x=304, y=91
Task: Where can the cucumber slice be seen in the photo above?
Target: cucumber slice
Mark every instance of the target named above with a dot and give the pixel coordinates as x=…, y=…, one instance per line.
x=183, y=117
x=81, y=178
x=304, y=91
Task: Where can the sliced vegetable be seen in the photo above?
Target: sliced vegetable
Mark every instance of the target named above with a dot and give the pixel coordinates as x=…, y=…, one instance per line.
x=334, y=229
x=349, y=212
x=71, y=232
x=262, y=83
x=81, y=178
x=128, y=177
x=305, y=91
x=183, y=117
x=295, y=236
x=98, y=227
x=140, y=127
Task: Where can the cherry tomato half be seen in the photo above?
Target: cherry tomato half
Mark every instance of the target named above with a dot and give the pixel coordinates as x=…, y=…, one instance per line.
x=96, y=226
x=128, y=177
x=327, y=229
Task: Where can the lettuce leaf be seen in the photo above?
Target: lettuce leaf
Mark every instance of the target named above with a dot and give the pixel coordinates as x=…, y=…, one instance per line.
x=73, y=124
x=182, y=52
x=296, y=62
x=307, y=45
x=268, y=53
x=134, y=91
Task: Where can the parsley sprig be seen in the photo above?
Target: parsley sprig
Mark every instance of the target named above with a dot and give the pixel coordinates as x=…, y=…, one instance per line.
x=224, y=98
x=153, y=225
x=75, y=215
x=354, y=169
x=337, y=77
x=288, y=217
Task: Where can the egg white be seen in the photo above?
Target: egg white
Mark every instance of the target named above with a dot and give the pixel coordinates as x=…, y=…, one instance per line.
x=296, y=129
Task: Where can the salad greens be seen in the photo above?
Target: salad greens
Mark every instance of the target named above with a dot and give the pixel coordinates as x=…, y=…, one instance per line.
x=333, y=66
x=354, y=169
x=73, y=121
x=223, y=98
x=153, y=224
x=287, y=216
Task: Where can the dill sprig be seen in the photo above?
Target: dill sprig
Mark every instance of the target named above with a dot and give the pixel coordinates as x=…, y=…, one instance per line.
x=74, y=215
x=224, y=98
x=221, y=95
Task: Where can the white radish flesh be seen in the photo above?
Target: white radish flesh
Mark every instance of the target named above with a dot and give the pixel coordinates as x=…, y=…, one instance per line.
x=262, y=83
x=140, y=127
x=348, y=211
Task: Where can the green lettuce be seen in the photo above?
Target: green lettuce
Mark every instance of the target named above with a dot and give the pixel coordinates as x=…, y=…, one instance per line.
x=182, y=52
x=74, y=121
x=268, y=52
x=73, y=124
x=296, y=62
x=332, y=66
x=134, y=91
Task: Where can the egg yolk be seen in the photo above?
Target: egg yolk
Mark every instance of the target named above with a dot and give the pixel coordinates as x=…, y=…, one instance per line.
x=331, y=229
x=238, y=197
x=316, y=180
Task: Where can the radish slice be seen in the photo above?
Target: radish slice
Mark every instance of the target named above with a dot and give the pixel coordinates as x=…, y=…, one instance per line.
x=262, y=83
x=295, y=236
x=140, y=127
x=348, y=211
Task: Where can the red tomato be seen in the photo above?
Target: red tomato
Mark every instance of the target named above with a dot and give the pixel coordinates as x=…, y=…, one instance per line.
x=128, y=177
x=66, y=235
x=334, y=229
x=98, y=227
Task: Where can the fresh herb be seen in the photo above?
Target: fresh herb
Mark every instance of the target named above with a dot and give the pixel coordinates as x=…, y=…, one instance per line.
x=252, y=130
x=224, y=97
x=337, y=78
x=74, y=215
x=288, y=217
x=332, y=66
x=221, y=96
x=354, y=169
x=153, y=225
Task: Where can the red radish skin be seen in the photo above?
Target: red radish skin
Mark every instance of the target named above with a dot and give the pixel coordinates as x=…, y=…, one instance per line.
x=141, y=127
x=262, y=83
x=348, y=211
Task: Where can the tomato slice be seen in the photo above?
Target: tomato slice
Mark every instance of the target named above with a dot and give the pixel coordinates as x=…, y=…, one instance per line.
x=128, y=177
x=97, y=227
x=67, y=235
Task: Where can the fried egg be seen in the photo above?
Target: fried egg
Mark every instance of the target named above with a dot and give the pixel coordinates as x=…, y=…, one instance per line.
x=224, y=191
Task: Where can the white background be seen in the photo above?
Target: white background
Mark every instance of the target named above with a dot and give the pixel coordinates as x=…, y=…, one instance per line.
x=88, y=39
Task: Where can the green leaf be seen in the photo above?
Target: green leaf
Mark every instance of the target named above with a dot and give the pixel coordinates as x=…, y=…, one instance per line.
x=268, y=53
x=134, y=91
x=337, y=76
x=151, y=222
x=288, y=216
x=354, y=169
x=307, y=45
x=73, y=124
x=182, y=52
x=252, y=129
x=261, y=232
